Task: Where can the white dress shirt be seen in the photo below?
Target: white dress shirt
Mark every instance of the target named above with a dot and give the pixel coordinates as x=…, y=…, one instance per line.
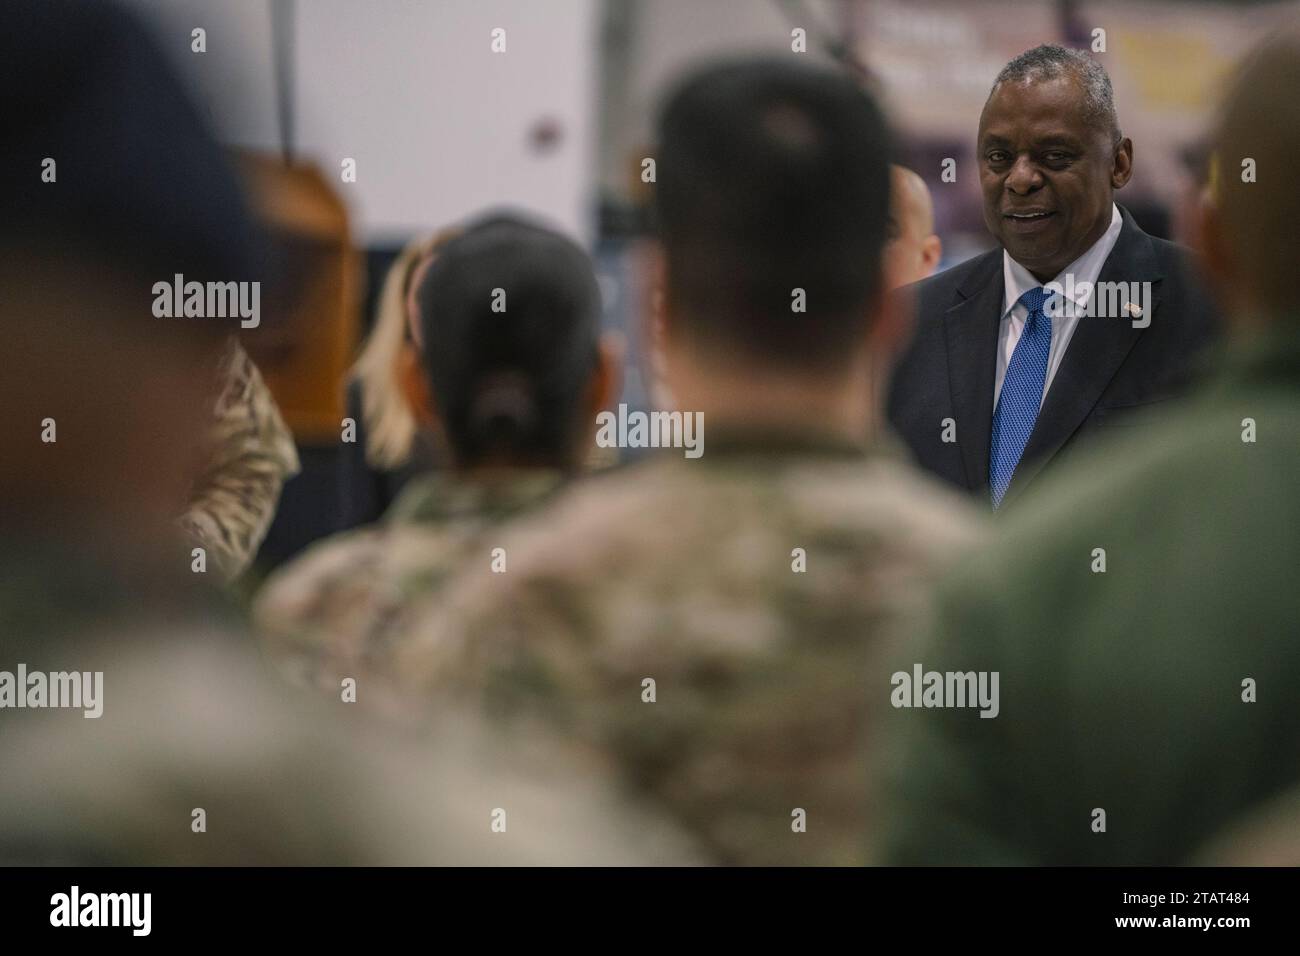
x=1016, y=281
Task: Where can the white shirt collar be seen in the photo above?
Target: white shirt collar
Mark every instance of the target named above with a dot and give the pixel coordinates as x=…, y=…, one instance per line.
x=1017, y=280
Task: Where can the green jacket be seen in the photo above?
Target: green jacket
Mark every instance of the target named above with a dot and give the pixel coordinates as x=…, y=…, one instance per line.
x=1127, y=690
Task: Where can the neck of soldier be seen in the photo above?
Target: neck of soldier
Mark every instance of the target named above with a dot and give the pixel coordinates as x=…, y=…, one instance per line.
x=841, y=404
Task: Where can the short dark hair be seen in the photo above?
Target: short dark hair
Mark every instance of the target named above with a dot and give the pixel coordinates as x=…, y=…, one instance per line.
x=771, y=177
x=1048, y=61
x=509, y=383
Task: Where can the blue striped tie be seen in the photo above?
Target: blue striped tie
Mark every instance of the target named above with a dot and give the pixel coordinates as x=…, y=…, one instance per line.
x=1021, y=395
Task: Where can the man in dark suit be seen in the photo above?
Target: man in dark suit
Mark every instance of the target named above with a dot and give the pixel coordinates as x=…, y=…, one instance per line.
x=1080, y=316
x=1151, y=709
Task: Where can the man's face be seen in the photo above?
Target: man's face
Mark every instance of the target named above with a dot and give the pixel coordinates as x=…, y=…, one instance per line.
x=1047, y=173
x=912, y=249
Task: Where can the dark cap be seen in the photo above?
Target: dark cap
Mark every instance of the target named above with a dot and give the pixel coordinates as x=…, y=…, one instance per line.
x=140, y=182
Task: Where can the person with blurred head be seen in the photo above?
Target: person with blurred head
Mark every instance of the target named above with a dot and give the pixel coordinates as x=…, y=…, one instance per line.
x=1076, y=320
x=511, y=367
x=708, y=617
x=139, y=727
x=1149, y=673
x=913, y=250
x=392, y=448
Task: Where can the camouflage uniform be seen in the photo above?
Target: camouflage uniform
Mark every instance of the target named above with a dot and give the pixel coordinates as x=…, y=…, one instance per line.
x=334, y=612
x=234, y=499
x=682, y=572
x=190, y=719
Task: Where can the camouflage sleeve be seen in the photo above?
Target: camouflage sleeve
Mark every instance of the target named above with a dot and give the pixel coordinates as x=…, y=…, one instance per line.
x=234, y=499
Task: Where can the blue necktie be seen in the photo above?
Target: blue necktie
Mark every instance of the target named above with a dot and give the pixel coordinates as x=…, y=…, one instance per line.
x=1021, y=395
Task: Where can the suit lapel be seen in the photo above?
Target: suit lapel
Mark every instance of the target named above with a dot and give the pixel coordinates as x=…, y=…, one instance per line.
x=1095, y=353
x=971, y=333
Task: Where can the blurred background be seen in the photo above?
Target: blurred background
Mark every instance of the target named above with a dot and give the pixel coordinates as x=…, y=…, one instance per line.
x=437, y=126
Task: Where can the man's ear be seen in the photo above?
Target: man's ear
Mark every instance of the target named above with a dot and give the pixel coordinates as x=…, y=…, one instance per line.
x=414, y=383
x=1123, y=170
x=607, y=377
x=931, y=253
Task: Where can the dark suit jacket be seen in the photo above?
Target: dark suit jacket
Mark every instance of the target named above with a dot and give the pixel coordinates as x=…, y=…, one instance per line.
x=1110, y=368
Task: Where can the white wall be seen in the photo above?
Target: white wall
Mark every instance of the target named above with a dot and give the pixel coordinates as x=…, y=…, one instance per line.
x=439, y=124
x=662, y=39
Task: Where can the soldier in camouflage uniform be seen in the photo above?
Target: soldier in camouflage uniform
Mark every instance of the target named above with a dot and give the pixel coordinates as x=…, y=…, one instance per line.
x=233, y=501
x=717, y=624
x=684, y=573
x=512, y=390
